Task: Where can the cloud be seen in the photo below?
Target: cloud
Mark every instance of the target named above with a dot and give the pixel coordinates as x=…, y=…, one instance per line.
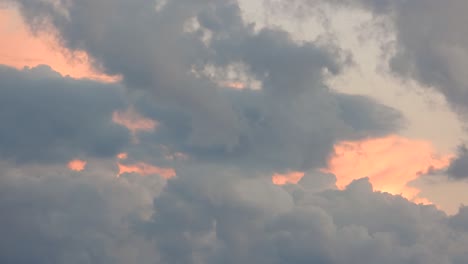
x=390, y=163
x=459, y=166
x=145, y=170
x=292, y=122
x=77, y=165
x=209, y=215
x=288, y=178
x=20, y=48
x=354, y=225
x=432, y=51
x=48, y=118
x=222, y=207
x=50, y=216
x=134, y=122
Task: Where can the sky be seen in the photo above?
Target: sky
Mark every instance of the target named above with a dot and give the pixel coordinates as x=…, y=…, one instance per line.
x=233, y=131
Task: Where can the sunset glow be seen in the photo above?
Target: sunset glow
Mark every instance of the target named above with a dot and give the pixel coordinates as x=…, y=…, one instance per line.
x=390, y=163
x=122, y=156
x=20, y=48
x=134, y=122
x=287, y=178
x=234, y=85
x=77, y=165
x=146, y=170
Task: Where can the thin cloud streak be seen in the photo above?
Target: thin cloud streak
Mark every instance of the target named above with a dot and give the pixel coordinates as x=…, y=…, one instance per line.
x=145, y=169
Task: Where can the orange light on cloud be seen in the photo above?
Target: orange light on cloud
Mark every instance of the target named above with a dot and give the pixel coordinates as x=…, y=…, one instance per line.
x=134, y=122
x=234, y=85
x=390, y=163
x=122, y=156
x=77, y=165
x=20, y=48
x=145, y=170
x=288, y=178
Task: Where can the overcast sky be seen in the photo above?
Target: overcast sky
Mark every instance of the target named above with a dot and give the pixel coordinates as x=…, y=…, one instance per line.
x=224, y=131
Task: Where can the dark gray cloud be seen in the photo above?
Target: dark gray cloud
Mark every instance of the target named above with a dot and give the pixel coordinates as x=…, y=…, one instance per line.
x=46, y=117
x=292, y=122
x=213, y=214
x=52, y=215
x=222, y=207
x=201, y=219
x=458, y=169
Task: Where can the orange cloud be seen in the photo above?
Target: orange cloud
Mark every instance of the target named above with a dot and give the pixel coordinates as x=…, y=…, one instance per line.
x=390, y=163
x=134, y=122
x=77, y=165
x=20, y=48
x=145, y=170
x=288, y=178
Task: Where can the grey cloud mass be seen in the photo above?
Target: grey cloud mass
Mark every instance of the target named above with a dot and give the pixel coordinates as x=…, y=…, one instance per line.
x=459, y=167
x=222, y=206
x=291, y=123
x=45, y=117
x=212, y=216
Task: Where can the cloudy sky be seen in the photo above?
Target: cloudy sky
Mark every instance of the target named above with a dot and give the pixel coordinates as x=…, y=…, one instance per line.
x=224, y=131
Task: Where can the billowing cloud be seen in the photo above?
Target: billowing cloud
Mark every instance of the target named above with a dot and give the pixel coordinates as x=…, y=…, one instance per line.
x=223, y=206
x=48, y=118
x=205, y=120
x=50, y=216
x=390, y=163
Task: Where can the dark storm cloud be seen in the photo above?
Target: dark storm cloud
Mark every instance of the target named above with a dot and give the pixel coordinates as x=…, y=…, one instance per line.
x=45, y=117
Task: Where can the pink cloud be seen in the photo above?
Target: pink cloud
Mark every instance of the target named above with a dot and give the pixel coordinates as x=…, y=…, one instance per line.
x=77, y=165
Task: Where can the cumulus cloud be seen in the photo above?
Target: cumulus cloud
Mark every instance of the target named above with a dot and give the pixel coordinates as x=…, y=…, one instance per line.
x=269, y=225
x=48, y=118
x=292, y=121
x=223, y=206
x=53, y=215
